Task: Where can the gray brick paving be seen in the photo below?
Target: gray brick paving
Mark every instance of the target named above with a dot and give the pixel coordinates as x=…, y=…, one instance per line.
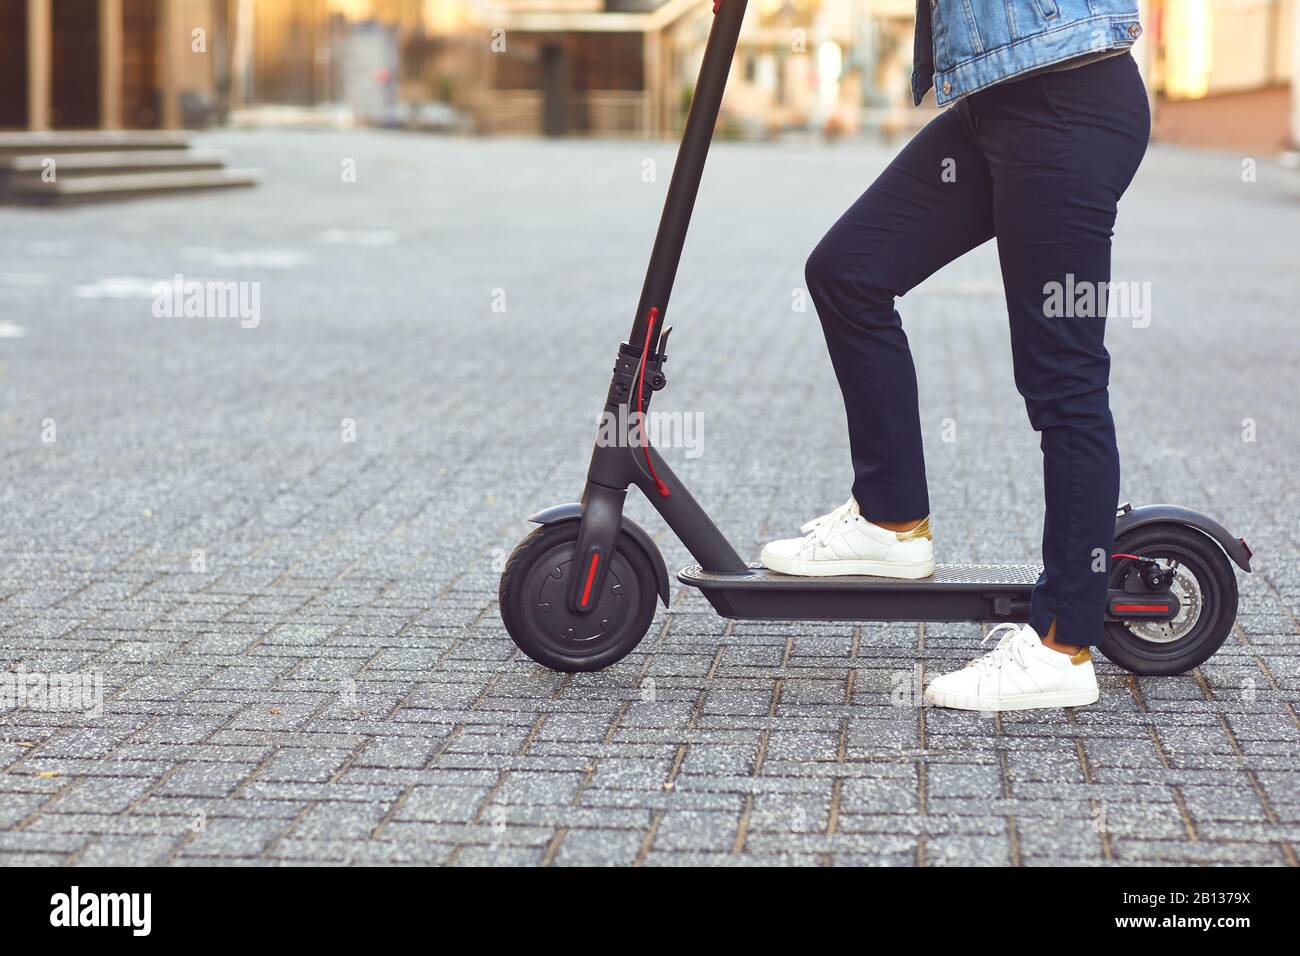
x=297, y=635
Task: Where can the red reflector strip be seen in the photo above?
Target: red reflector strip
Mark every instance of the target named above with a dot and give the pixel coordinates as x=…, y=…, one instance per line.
x=591, y=576
x=1126, y=607
x=640, y=395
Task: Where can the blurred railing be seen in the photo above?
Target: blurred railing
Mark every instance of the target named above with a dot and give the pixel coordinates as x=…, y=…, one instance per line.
x=511, y=111
x=618, y=113
x=602, y=113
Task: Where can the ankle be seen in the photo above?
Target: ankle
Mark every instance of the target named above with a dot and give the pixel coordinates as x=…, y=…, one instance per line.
x=1070, y=650
x=1049, y=641
x=897, y=526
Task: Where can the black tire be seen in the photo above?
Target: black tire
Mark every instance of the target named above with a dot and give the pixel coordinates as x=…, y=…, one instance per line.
x=1203, y=561
x=536, y=612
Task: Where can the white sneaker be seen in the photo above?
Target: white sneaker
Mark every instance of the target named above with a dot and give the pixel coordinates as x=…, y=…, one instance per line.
x=844, y=542
x=1019, y=674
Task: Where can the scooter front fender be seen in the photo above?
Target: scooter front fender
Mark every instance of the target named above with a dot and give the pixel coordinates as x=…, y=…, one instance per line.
x=573, y=512
x=1133, y=518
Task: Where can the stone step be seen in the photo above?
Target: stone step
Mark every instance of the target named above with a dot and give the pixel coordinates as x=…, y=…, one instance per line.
x=33, y=167
x=121, y=186
x=86, y=141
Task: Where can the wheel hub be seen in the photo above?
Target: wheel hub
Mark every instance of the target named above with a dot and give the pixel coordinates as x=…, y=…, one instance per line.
x=1185, y=589
x=556, y=622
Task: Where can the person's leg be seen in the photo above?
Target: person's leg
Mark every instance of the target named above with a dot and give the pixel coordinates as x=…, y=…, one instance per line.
x=1062, y=148
x=932, y=204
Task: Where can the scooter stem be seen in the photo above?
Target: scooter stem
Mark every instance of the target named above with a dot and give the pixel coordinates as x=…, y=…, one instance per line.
x=689, y=168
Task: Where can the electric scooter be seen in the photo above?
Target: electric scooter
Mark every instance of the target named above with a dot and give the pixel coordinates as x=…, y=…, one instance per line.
x=579, y=592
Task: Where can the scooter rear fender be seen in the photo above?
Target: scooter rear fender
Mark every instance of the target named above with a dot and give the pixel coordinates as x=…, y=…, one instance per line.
x=1130, y=518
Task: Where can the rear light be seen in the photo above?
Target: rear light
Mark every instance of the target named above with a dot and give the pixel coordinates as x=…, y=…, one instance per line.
x=1249, y=553
x=1137, y=607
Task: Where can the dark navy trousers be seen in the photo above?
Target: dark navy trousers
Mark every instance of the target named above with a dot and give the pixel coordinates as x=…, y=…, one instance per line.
x=1039, y=164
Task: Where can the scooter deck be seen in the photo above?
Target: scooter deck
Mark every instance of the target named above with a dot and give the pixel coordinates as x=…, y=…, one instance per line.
x=955, y=592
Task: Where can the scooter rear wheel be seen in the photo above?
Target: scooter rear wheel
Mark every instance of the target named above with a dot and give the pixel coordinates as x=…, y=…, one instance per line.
x=1206, y=588
x=535, y=606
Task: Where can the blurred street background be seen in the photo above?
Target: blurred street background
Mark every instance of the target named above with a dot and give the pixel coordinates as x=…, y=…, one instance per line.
x=1220, y=72
x=275, y=534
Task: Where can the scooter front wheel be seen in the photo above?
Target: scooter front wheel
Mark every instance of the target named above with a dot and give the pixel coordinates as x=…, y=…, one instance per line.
x=1207, y=593
x=536, y=609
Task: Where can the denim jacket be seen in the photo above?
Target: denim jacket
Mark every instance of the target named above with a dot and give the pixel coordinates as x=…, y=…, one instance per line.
x=965, y=45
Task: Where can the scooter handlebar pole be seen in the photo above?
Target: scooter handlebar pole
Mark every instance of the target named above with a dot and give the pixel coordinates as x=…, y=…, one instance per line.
x=685, y=182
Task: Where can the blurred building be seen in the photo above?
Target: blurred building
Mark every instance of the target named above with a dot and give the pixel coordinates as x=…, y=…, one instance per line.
x=598, y=67
x=120, y=64
x=591, y=67
x=552, y=67
x=1223, y=72
x=617, y=67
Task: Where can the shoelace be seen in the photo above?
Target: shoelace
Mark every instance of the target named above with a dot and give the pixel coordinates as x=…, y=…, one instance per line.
x=1011, y=644
x=815, y=523
x=820, y=530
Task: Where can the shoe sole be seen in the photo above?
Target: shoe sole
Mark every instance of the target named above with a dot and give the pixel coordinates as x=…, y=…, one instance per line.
x=1063, y=698
x=906, y=570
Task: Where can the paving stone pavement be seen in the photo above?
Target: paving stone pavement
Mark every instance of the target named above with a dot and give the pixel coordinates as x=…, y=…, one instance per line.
x=297, y=634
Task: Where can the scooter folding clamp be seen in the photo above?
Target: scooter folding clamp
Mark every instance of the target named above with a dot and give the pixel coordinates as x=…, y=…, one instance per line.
x=622, y=388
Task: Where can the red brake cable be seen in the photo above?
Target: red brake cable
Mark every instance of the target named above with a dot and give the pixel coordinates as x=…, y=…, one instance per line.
x=651, y=317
